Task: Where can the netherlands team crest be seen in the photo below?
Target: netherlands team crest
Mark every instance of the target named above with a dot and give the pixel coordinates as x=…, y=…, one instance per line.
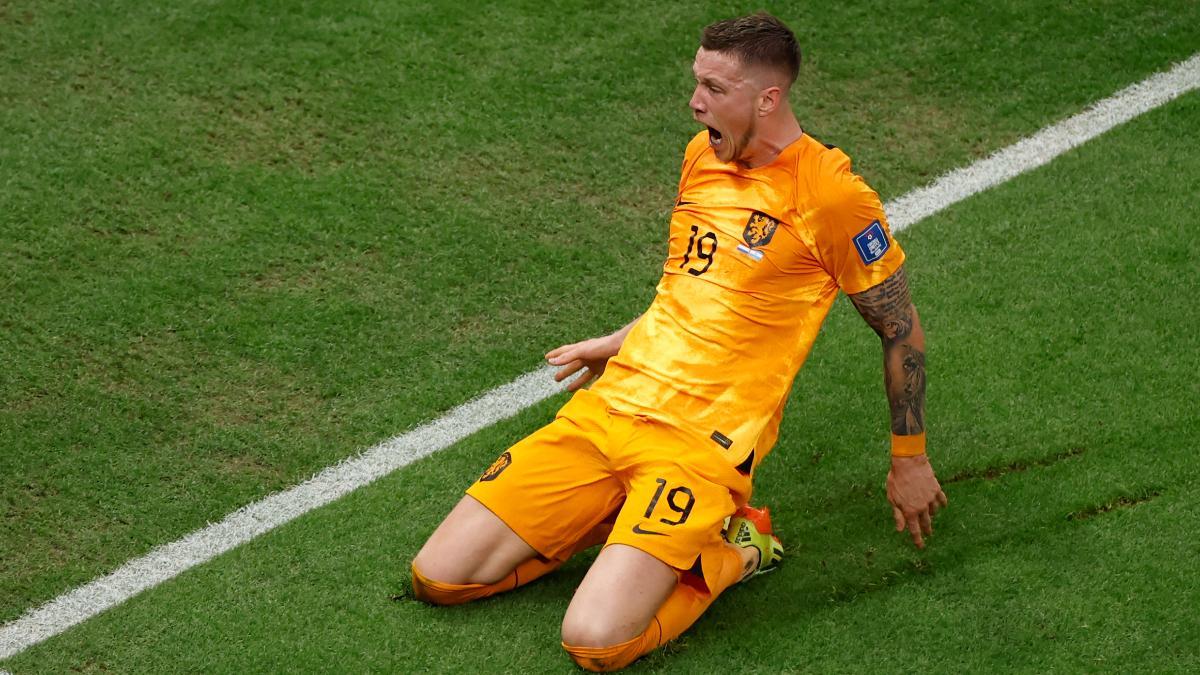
x=759, y=229
x=497, y=467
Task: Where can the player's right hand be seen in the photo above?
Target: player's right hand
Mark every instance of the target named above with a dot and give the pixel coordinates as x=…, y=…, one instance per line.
x=916, y=496
x=590, y=356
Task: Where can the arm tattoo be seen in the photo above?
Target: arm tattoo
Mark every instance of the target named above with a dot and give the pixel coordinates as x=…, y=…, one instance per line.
x=908, y=410
x=888, y=309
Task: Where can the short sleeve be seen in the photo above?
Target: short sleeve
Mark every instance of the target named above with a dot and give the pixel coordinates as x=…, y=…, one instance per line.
x=853, y=239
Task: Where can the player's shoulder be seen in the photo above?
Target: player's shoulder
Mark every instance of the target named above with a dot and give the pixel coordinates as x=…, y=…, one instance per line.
x=821, y=165
x=825, y=174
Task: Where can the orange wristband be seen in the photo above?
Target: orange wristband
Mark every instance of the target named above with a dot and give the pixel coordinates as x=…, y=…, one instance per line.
x=908, y=446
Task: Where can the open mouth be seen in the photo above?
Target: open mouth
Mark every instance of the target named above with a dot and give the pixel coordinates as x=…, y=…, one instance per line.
x=714, y=136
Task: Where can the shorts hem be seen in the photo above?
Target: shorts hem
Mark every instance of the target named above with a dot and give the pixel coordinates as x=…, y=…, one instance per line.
x=653, y=554
x=537, y=550
x=656, y=554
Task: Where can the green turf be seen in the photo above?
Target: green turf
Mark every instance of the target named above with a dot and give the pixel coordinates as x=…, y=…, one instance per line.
x=238, y=243
x=1062, y=354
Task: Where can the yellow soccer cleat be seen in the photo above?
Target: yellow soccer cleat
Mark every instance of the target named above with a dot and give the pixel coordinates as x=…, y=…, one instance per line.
x=749, y=526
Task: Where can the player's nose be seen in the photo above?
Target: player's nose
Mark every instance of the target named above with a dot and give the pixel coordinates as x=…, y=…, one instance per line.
x=695, y=103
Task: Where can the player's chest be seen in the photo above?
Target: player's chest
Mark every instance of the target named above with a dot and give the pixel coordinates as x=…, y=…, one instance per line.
x=741, y=236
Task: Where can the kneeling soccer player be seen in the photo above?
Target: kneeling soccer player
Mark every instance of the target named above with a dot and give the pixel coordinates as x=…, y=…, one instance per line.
x=656, y=459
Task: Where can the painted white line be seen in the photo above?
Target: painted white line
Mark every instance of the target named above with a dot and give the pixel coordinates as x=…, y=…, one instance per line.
x=250, y=521
x=168, y=561
x=1045, y=145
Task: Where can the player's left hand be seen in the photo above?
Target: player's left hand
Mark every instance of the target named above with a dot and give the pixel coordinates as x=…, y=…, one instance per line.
x=590, y=356
x=915, y=495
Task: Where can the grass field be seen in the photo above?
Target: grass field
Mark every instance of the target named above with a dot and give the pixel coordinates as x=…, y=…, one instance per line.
x=240, y=243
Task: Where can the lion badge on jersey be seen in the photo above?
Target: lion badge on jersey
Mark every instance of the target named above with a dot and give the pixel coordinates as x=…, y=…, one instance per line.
x=759, y=230
x=497, y=467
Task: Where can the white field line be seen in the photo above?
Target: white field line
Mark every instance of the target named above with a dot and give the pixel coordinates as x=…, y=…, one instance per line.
x=248, y=522
x=166, y=562
x=1045, y=145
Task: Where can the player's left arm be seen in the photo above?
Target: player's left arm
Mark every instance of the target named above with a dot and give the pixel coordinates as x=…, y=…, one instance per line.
x=912, y=487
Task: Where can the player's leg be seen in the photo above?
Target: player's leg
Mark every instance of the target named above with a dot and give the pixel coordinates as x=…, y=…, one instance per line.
x=630, y=603
x=626, y=588
x=472, y=546
x=666, y=560
x=474, y=554
x=543, y=500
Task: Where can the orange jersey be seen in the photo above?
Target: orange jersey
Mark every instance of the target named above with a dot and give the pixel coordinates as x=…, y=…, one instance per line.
x=755, y=260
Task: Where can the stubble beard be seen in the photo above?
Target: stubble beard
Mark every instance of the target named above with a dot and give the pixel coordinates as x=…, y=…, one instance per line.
x=743, y=142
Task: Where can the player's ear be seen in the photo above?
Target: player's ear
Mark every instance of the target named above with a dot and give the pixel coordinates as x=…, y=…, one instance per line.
x=768, y=100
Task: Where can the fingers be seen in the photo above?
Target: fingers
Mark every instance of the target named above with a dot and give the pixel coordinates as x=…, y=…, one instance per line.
x=924, y=519
x=561, y=355
x=919, y=523
x=577, y=383
x=568, y=370
x=939, y=502
x=914, y=528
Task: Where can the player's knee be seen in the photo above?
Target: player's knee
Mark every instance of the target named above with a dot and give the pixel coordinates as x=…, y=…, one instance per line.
x=432, y=565
x=594, y=632
x=436, y=592
x=422, y=586
x=600, y=654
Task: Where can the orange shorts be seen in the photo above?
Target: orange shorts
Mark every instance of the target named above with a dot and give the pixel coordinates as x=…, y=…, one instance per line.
x=671, y=491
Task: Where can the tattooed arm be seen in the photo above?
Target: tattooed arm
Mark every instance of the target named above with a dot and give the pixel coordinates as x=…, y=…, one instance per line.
x=888, y=310
x=913, y=489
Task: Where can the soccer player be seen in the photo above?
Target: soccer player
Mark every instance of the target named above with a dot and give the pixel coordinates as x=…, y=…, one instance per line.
x=656, y=459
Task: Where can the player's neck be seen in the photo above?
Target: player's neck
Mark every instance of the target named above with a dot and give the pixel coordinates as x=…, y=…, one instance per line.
x=773, y=135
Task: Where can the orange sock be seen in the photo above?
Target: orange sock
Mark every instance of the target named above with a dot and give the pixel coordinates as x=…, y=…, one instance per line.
x=439, y=593
x=680, y=610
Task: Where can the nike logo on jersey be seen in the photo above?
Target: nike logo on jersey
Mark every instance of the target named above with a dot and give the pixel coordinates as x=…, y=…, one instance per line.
x=637, y=529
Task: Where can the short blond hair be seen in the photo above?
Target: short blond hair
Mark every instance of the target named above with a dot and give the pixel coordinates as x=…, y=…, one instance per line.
x=757, y=40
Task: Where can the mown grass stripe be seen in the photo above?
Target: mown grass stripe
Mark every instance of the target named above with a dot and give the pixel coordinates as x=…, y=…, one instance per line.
x=250, y=521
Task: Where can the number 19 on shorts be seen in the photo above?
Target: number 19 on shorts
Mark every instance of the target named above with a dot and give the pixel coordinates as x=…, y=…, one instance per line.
x=680, y=500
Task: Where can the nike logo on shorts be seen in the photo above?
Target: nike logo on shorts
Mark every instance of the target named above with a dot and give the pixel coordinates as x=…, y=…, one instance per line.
x=637, y=529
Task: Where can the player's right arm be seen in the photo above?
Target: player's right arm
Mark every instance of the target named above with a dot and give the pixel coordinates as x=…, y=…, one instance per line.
x=591, y=356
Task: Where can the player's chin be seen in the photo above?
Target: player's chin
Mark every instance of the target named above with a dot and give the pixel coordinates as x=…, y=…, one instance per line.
x=725, y=151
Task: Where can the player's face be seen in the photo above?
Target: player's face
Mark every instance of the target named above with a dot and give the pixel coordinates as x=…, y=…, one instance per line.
x=724, y=101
